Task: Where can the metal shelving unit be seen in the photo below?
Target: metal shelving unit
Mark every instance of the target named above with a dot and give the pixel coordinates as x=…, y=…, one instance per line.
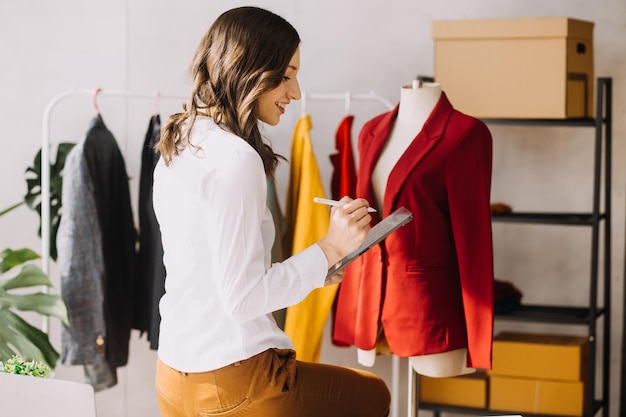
x=599, y=219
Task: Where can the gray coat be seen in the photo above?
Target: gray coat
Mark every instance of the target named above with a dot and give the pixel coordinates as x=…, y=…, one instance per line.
x=96, y=256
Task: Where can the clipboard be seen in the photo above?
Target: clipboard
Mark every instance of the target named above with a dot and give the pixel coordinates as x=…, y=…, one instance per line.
x=384, y=228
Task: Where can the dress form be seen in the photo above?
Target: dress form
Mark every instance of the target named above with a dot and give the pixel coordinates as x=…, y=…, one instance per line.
x=416, y=105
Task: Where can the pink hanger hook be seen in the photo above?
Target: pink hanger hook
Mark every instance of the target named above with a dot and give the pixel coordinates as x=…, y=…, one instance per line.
x=95, y=99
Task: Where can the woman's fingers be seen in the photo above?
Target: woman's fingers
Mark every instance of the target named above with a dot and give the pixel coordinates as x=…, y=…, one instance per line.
x=336, y=278
x=356, y=209
x=349, y=225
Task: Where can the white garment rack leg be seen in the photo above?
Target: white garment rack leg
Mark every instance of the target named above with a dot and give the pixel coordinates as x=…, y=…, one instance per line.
x=413, y=381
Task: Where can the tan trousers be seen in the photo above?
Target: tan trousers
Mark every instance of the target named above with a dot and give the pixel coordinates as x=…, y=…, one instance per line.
x=272, y=384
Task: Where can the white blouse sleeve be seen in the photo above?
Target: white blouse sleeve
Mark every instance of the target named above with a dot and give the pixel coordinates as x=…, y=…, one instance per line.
x=235, y=201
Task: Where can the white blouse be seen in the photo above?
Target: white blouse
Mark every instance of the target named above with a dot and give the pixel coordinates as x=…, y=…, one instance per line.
x=217, y=235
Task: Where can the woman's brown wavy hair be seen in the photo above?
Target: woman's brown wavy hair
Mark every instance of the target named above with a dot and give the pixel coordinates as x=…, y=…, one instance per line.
x=244, y=54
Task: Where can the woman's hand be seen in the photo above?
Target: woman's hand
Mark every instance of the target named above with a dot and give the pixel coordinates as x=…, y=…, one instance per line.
x=349, y=225
x=335, y=278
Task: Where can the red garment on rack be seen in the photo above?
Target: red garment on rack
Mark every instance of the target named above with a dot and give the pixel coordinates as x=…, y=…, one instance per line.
x=343, y=180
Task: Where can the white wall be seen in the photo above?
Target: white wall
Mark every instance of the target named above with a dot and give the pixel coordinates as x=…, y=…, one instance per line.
x=352, y=45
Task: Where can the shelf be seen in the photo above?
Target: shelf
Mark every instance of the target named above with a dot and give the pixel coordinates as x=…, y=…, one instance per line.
x=598, y=219
x=582, y=122
x=597, y=405
x=551, y=314
x=571, y=219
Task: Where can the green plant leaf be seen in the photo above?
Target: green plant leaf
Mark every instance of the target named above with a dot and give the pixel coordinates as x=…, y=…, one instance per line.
x=29, y=276
x=30, y=342
x=11, y=258
x=45, y=304
x=16, y=335
x=33, y=193
x=21, y=343
x=5, y=350
x=63, y=151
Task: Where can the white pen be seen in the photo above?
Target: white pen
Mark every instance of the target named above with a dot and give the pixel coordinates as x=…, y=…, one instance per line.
x=336, y=203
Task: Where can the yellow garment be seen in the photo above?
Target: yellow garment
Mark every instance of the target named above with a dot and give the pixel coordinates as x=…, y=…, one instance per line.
x=307, y=222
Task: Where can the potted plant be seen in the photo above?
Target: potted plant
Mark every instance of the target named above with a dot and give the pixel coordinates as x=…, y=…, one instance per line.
x=19, y=275
x=18, y=366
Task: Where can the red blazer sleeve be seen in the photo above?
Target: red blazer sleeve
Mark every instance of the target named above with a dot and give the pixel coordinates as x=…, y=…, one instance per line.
x=468, y=179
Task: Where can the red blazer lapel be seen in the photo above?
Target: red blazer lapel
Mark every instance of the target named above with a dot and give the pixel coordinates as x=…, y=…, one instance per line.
x=372, y=139
x=371, y=146
x=421, y=146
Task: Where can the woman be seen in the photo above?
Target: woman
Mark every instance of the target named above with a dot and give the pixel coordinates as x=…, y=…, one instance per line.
x=220, y=351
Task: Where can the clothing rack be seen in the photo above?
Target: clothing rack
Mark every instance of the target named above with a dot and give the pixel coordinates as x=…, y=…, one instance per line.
x=45, y=156
x=156, y=96
x=395, y=360
x=347, y=97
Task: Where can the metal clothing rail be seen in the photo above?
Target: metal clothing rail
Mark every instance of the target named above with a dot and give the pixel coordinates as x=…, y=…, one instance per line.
x=348, y=98
x=45, y=156
x=45, y=141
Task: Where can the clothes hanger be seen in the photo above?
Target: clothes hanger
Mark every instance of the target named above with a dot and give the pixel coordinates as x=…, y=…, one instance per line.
x=95, y=99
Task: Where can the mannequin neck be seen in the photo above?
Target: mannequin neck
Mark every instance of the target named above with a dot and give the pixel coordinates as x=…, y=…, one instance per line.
x=416, y=104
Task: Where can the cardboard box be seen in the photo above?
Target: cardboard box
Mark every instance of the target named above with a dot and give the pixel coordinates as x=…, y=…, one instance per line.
x=540, y=356
x=465, y=391
x=536, y=68
x=524, y=395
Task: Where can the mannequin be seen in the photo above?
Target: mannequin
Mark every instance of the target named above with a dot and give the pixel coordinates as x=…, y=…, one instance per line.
x=426, y=292
x=416, y=104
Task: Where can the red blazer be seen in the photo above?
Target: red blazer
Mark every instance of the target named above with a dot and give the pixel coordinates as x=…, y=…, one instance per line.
x=430, y=283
